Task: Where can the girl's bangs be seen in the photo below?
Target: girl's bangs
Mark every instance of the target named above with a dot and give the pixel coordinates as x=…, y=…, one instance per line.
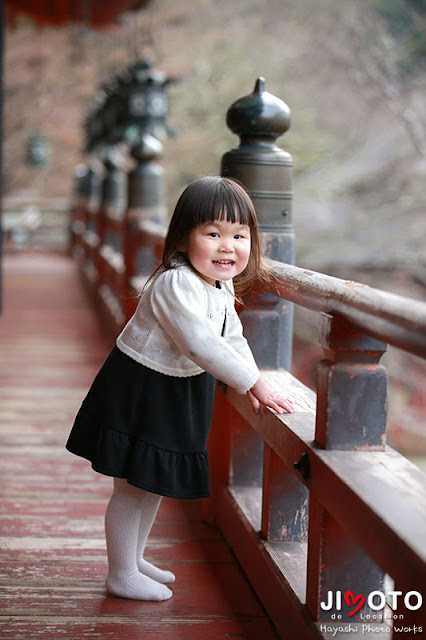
x=230, y=203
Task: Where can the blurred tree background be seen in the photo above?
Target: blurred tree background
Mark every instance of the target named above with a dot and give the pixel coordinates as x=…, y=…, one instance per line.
x=353, y=73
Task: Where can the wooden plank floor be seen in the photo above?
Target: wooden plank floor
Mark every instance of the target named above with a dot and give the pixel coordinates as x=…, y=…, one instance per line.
x=52, y=548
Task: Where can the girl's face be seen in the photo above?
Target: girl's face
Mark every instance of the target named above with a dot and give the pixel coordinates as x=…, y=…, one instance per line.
x=219, y=249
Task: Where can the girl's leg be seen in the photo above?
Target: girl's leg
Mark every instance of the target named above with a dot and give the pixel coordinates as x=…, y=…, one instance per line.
x=145, y=526
x=122, y=519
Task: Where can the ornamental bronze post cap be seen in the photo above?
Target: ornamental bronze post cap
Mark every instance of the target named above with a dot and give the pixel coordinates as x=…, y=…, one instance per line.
x=259, y=114
x=113, y=159
x=147, y=148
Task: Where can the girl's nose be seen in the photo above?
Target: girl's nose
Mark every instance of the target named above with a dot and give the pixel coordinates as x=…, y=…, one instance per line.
x=226, y=245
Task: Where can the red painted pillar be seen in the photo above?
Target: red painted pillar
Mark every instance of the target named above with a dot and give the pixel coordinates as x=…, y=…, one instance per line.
x=351, y=389
x=351, y=415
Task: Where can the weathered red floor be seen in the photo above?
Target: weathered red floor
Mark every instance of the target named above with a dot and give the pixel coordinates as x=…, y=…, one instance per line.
x=52, y=549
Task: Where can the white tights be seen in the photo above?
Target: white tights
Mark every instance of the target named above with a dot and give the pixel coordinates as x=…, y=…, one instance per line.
x=128, y=520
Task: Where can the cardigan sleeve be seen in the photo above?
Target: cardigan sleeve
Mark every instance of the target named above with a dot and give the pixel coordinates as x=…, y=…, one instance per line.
x=179, y=304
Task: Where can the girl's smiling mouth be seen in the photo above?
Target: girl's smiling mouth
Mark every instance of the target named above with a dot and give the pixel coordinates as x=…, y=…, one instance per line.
x=225, y=262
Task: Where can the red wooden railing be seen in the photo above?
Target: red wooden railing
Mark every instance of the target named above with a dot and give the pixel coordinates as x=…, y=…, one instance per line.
x=367, y=503
x=327, y=521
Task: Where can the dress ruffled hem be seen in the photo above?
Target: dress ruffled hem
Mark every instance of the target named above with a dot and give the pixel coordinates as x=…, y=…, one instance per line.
x=146, y=466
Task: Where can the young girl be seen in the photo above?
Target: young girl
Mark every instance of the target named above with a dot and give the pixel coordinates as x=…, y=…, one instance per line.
x=146, y=417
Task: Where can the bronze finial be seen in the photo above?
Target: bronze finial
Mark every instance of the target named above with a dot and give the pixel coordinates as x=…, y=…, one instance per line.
x=266, y=171
x=259, y=115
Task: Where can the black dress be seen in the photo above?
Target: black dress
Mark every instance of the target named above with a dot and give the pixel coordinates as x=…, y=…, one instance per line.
x=148, y=427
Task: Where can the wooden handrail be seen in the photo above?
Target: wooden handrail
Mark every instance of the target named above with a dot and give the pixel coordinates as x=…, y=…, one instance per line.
x=392, y=318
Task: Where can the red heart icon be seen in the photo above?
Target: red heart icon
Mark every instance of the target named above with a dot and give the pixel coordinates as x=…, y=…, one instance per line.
x=351, y=599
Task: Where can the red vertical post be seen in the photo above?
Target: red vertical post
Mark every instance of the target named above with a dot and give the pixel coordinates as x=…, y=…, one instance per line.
x=351, y=389
x=220, y=443
x=284, y=501
x=351, y=415
x=219, y=448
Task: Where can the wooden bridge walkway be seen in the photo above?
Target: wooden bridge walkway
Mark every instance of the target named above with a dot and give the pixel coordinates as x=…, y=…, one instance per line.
x=52, y=549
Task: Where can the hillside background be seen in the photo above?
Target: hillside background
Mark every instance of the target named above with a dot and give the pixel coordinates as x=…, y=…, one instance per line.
x=353, y=73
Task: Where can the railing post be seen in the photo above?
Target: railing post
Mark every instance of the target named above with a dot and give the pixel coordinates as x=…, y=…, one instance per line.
x=114, y=196
x=92, y=187
x=91, y=192
x=115, y=186
x=351, y=415
x=94, y=232
x=146, y=203
x=108, y=195
x=78, y=211
x=266, y=171
x=351, y=389
x=112, y=287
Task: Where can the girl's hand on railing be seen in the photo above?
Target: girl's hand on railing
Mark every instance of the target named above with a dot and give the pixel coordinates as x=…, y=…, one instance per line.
x=261, y=393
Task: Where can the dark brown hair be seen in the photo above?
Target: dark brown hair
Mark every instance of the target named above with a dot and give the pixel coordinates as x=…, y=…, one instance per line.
x=205, y=200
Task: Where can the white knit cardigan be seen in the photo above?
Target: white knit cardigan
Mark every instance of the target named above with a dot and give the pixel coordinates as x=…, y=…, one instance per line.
x=177, y=326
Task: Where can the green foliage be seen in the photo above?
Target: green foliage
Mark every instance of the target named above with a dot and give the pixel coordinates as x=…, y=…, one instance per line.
x=406, y=22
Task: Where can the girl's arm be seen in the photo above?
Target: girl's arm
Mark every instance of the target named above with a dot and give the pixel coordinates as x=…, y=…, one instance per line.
x=260, y=393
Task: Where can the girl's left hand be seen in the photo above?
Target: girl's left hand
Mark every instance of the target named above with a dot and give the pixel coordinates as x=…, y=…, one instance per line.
x=261, y=393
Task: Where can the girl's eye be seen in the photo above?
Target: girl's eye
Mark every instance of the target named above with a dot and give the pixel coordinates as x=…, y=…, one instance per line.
x=213, y=234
